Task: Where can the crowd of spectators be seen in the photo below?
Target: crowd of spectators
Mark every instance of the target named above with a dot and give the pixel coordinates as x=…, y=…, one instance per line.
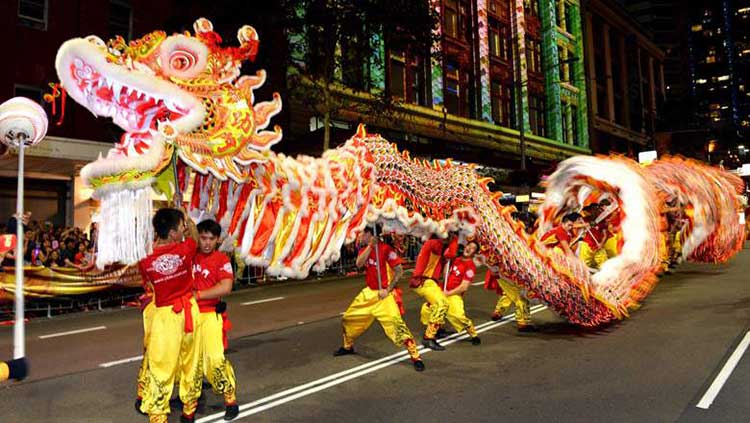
x=53, y=246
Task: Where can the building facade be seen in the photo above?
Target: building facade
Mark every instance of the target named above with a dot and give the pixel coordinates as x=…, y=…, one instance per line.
x=625, y=78
x=501, y=71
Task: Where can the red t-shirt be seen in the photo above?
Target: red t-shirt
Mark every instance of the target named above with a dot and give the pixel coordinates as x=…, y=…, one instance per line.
x=169, y=270
x=429, y=263
x=209, y=270
x=388, y=259
x=552, y=238
x=596, y=235
x=461, y=269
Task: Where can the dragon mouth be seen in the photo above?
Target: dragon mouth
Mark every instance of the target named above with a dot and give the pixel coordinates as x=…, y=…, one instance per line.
x=131, y=95
x=135, y=111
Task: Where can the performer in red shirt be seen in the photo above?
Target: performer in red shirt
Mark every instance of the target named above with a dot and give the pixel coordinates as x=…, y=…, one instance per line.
x=170, y=345
x=509, y=293
x=212, y=278
x=460, y=276
x=560, y=236
x=428, y=270
x=592, y=250
x=376, y=300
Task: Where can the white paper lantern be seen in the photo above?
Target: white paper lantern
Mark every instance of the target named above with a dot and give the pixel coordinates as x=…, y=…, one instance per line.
x=22, y=120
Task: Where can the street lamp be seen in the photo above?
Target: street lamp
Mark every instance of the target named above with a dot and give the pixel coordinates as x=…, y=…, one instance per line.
x=23, y=123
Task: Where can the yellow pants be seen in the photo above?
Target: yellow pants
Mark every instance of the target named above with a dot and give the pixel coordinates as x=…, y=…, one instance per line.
x=663, y=252
x=171, y=351
x=456, y=315
x=592, y=259
x=367, y=307
x=512, y=296
x=435, y=296
x=216, y=368
x=148, y=316
x=611, y=245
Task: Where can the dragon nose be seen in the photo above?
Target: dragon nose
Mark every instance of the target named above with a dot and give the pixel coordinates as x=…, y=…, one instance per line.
x=93, y=39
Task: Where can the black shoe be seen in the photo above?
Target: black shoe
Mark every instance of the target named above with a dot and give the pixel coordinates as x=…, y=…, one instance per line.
x=186, y=419
x=432, y=344
x=528, y=328
x=476, y=341
x=343, y=351
x=138, y=403
x=442, y=333
x=232, y=412
x=18, y=368
x=418, y=365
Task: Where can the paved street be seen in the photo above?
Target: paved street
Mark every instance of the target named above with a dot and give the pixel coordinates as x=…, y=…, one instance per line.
x=654, y=367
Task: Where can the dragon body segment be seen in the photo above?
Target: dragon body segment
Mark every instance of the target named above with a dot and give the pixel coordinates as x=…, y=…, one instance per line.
x=182, y=96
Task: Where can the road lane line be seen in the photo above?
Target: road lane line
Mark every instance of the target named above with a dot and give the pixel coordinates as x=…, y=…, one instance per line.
x=309, y=388
x=724, y=374
x=71, y=332
x=266, y=300
x=477, y=283
x=123, y=361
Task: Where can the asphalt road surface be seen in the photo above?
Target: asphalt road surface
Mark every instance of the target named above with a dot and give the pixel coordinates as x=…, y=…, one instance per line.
x=681, y=349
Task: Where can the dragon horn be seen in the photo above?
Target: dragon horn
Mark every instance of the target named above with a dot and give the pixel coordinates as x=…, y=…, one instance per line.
x=246, y=35
x=203, y=25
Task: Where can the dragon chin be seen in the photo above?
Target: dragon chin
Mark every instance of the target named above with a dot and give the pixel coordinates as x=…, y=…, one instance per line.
x=136, y=100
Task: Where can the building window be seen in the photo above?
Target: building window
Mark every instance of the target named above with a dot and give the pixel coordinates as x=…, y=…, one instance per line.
x=536, y=114
x=574, y=124
x=353, y=61
x=560, y=16
x=456, y=17
x=531, y=7
x=498, y=39
x=452, y=88
x=502, y=104
x=33, y=14
x=534, y=55
x=120, y=20
x=28, y=91
x=450, y=18
x=397, y=71
x=407, y=77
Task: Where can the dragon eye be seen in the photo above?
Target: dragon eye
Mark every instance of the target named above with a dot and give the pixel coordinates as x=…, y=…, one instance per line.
x=181, y=60
x=183, y=57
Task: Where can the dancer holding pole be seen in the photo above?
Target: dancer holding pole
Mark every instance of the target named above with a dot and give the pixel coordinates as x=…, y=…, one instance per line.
x=376, y=300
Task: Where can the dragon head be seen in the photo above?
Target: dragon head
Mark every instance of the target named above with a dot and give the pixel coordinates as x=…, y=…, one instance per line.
x=179, y=91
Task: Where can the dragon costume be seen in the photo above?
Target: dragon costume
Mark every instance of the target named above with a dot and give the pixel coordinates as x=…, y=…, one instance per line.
x=181, y=96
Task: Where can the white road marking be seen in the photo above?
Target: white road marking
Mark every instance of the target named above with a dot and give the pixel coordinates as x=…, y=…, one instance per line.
x=266, y=300
x=477, y=283
x=123, y=361
x=309, y=388
x=71, y=332
x=724, y=374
